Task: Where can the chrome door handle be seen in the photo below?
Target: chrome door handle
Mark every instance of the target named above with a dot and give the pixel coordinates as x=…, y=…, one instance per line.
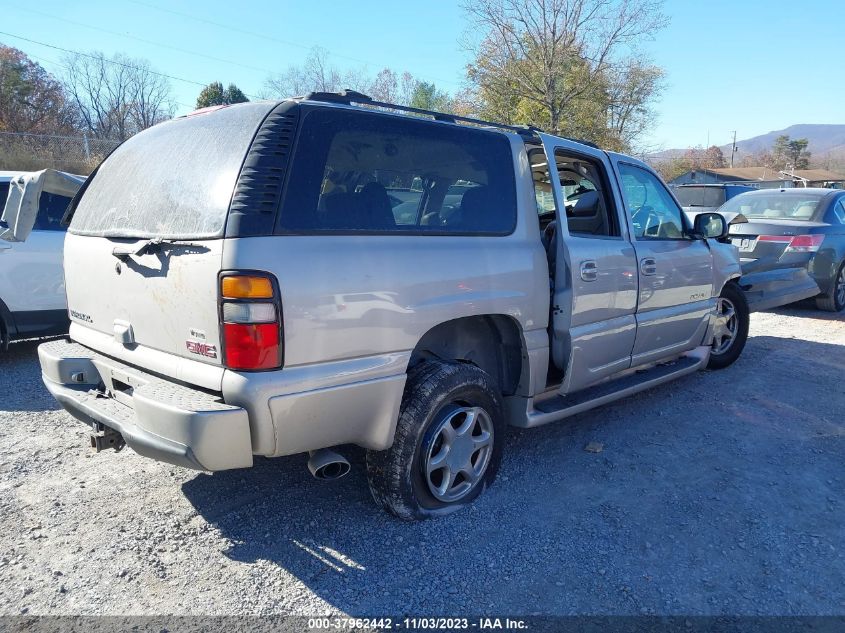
x=589, y=270
x=648, y=266
x=5, y=247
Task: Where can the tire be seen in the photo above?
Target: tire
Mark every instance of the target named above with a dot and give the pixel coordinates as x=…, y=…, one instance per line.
x=834, y=299
x=407, y=479
x=727, y=347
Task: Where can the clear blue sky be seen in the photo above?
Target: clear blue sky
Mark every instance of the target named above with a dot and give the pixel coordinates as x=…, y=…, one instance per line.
x=746, y=65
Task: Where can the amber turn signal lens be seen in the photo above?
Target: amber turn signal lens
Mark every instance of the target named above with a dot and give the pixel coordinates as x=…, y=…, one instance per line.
x=246, y=287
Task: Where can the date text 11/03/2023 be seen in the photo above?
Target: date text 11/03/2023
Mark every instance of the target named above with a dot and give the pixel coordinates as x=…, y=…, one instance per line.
x=423, y=623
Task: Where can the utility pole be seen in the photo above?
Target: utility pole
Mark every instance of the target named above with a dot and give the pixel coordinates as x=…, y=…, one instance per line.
x=733, y=149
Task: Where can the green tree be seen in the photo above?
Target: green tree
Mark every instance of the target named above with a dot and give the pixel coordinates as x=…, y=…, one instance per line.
x=426, y=96
x=32, y=100
x=567, y=65
x=235, y=95
x=215, y=95
x=790, y=154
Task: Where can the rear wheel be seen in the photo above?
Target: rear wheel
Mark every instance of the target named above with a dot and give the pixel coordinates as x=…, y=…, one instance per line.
x=730, y=331
x=448, y=443
x=834, y=299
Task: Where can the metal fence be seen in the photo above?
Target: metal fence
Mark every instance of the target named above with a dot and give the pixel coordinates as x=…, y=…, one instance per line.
x=77, y=154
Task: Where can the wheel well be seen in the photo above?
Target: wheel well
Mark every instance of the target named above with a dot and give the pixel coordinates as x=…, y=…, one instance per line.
x=493, y=343
x=6, y=326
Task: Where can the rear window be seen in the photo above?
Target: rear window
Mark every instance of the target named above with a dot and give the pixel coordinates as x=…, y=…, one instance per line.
x=700, y=196
x=174, y=180
x=778, y=206
x=361, y=172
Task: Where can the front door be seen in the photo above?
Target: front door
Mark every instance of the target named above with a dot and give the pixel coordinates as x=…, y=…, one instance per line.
x=675, y=271
x=594, y=266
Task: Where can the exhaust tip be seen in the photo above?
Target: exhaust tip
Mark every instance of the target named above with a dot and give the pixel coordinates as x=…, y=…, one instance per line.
x=327, y=465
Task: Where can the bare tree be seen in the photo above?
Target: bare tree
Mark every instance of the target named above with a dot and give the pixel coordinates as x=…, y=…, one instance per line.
x=315, y=74
x=117, y=97
x=551, y=53
x=152, y=97
x=631, y=87
x=385, y=87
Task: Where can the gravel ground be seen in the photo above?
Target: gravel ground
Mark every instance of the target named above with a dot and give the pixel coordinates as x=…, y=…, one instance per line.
x=721, y=493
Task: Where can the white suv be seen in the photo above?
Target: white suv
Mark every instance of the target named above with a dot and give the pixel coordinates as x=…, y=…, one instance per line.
x=32, y=287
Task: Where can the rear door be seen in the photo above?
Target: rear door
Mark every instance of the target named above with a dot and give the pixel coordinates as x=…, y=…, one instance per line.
x=595, y=279
x=675, y=272
x=31, y=278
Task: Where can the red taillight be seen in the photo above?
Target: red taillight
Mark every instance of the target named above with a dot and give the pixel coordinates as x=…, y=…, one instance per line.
x=251, y=334
x=252, y=346
x=795, y=243
x=805, y=243
x=786, y=239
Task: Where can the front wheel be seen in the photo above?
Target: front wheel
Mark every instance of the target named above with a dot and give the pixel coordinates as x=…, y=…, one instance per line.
x=730, y=331
x=448, y=442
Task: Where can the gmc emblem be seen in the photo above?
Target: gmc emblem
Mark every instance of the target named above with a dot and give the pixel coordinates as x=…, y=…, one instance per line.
x=203, y=349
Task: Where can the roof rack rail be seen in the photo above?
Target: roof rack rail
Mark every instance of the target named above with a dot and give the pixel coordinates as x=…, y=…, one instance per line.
x=353, y=96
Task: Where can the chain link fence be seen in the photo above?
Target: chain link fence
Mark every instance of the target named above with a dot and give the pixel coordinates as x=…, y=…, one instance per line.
x=31, y=152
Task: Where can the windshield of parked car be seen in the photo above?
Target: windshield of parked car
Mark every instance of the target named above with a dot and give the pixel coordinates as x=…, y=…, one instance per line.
x=776, y=205
x=174, y=180
x=700, y=196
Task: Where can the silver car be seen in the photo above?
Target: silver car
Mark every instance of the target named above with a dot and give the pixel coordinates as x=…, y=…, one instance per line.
x=241, y=282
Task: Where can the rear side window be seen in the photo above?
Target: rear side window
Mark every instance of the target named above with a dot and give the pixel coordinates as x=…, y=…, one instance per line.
x=51, y=210
x=174, y=180
x=839, y=211
x=372, y=173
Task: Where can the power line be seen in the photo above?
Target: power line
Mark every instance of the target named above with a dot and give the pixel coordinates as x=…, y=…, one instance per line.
x=108, y=61
x=115, y=62
x=270, y=38
x=150, y=42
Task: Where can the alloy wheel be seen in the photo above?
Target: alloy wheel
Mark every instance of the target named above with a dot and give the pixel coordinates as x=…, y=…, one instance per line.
x=459, y=453
x=726, y=326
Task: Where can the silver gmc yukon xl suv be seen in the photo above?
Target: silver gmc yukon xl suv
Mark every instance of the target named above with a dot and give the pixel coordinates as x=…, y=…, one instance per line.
x=288, y=277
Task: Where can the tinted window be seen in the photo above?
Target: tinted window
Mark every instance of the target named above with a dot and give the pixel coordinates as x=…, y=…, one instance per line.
x=700, y=196
x=654, y=213
x=776, y=205
x=51, y=210
x=4, y=193
x=356, y=171
x=174, y=180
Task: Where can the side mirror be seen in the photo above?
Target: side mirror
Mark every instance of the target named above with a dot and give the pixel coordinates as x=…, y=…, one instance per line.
x=710, y=226
x=21, y=205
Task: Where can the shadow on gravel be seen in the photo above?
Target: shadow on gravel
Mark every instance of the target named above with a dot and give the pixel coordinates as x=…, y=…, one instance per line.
x=720, y=493
x=21, y=388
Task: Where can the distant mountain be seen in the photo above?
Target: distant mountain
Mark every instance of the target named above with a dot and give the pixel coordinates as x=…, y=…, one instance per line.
x=825, y=140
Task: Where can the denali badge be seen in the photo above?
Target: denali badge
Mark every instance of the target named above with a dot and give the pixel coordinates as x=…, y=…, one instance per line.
x=203, y=349
x=81, y=316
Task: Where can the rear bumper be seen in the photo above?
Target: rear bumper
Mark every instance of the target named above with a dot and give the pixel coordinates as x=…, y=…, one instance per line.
x=157, y=418
x=772, y=288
